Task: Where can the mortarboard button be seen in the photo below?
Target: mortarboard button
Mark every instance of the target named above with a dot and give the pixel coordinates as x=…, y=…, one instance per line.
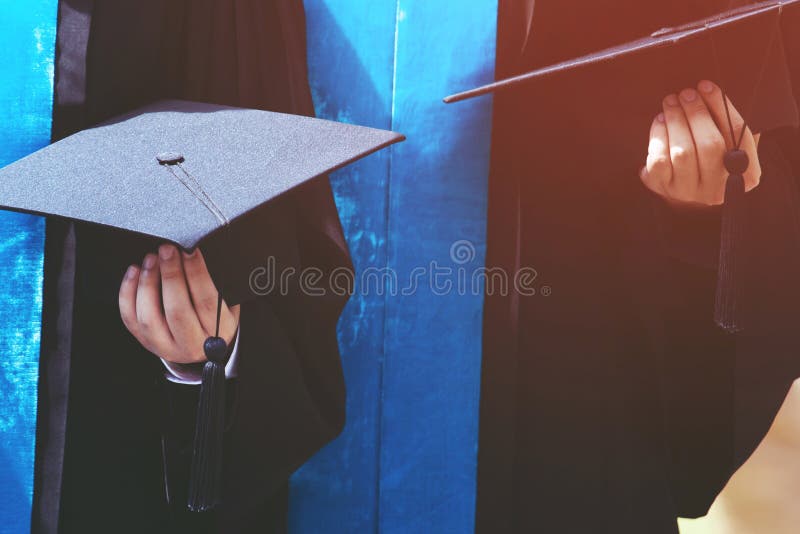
x=169, y=158
x=216, y=350
x=736, y=161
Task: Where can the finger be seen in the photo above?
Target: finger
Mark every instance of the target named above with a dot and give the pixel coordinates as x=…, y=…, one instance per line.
x=657, y=172
x=235, y=317
x=685, y=173
x=709, y=146
x=180, y=314
x=204, y=294
x=127, y=300
x=712, y=96
x=152, y=325
x=752, y=176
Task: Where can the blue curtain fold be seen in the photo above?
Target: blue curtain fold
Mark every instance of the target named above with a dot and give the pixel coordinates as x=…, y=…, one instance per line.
x=27, y=35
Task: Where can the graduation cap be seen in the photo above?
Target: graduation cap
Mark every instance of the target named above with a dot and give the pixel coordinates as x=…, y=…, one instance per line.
x=185, y=172
x=743, y=40
x=180, y=171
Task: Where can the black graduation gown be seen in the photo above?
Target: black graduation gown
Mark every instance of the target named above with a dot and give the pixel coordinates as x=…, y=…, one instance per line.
x=615, y=404
x=113, y=440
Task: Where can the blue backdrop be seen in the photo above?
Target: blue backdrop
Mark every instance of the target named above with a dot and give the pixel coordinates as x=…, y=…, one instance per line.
x=406, y=461
x=27, y=38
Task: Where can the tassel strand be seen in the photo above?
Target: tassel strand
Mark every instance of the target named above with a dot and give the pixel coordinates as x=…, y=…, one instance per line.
x=728, y=304
x=206, y=473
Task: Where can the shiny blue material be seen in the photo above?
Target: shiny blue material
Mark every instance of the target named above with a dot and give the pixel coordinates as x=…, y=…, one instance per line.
x=27, y=36
x=351, y=68
x=407, y=459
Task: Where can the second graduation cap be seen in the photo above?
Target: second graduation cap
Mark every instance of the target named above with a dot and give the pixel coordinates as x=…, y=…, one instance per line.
x=743, y=50
x=182, y=172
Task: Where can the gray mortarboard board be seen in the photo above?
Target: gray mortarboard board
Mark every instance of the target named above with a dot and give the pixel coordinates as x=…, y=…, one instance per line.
x=186, y=173
x=749, y=51
x=183, y=172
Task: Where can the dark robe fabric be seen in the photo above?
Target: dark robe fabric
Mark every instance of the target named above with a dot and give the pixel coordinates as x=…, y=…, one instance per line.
x=615, y=404
x=114, y=437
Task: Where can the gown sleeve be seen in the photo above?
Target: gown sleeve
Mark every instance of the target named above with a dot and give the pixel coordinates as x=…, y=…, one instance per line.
x=291, y=394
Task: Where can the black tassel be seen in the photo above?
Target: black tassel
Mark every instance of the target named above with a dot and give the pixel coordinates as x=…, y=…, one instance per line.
x=728, y=305
x=206, y=475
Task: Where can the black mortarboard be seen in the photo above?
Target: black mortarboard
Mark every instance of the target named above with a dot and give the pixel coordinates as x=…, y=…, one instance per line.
x=181, y=171
x=748, y=50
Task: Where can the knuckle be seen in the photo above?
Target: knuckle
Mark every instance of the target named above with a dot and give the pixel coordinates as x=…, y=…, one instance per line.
x=177, y=315
x=712, y=196
x=193, y=264
x=658, y=162
x=673, y=191
x=659, y=169
x=171, y=274
x=738, y=125
x=192, y=258
x=682, y=191
x=208, y=304
x=681, y=155
x=146, y=322
x=711, y=144
x=695, y=107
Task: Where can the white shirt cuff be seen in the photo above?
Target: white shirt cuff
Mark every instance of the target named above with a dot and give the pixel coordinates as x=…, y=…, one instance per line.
x=181, y=374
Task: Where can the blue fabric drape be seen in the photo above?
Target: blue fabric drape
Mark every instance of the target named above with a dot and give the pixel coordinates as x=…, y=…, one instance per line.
x=27, y=37
x=412, y=353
